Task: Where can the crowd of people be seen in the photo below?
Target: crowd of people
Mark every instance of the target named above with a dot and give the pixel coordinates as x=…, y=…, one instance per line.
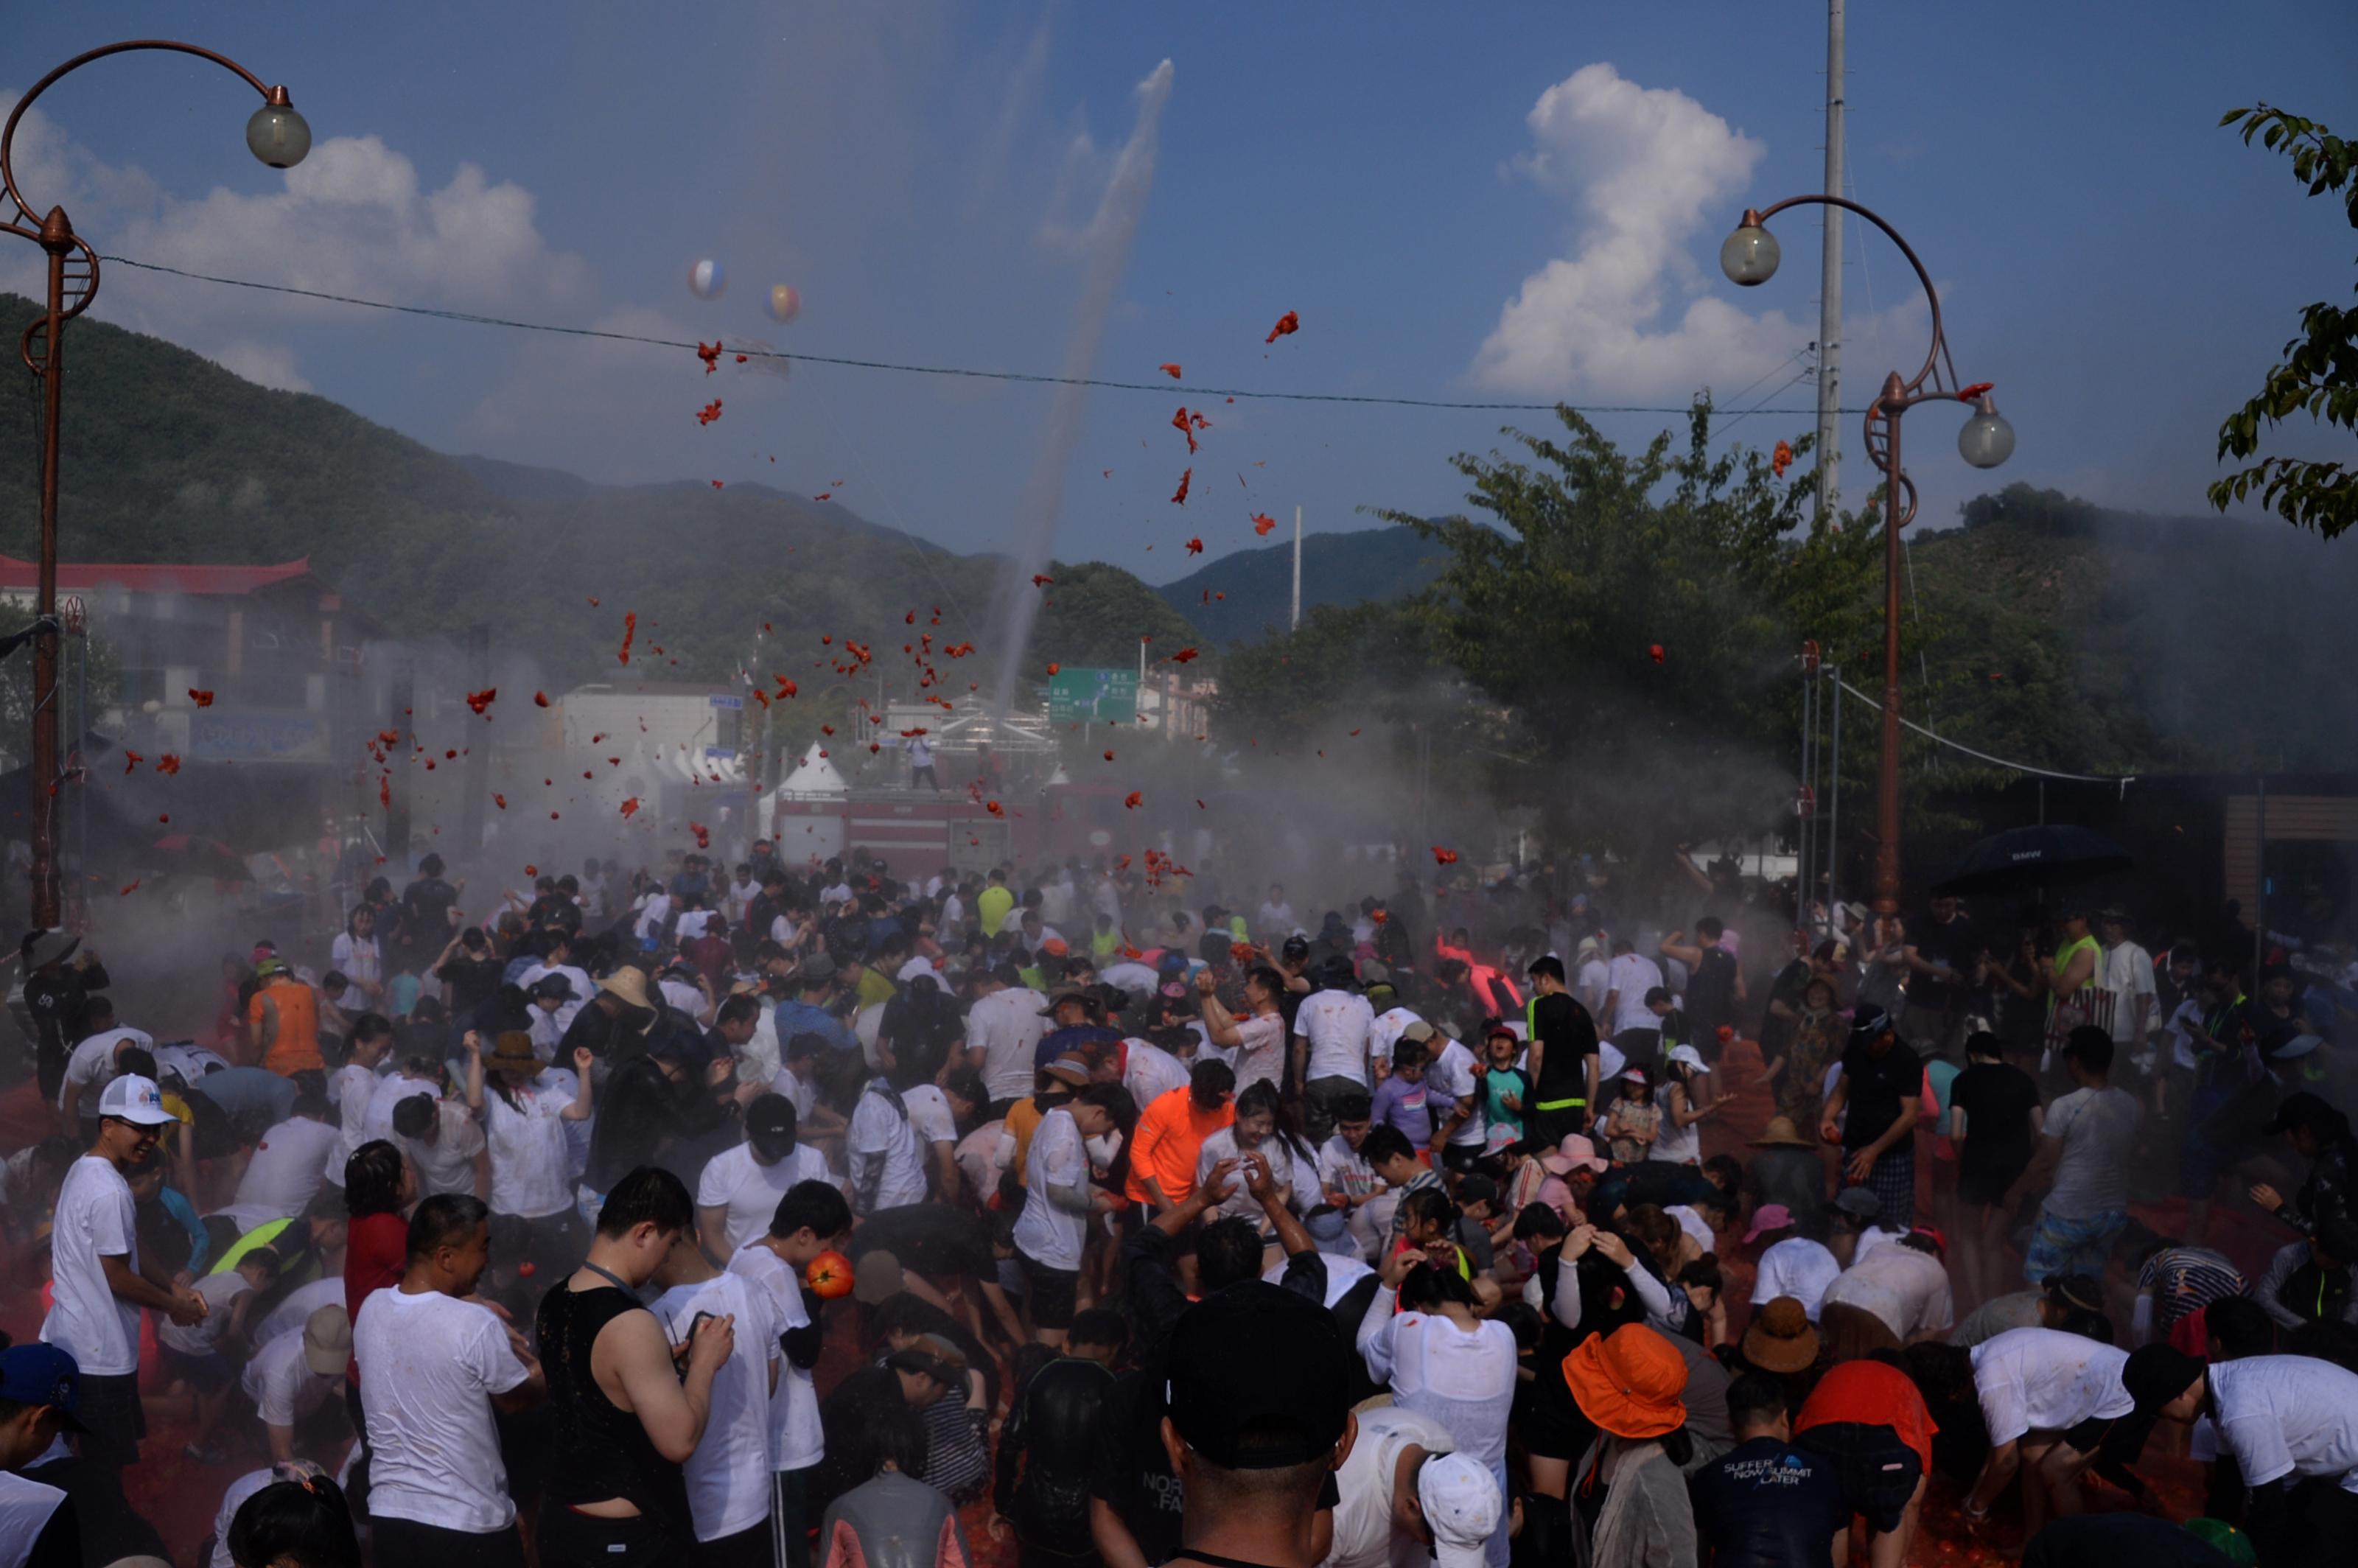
x=763, y=1215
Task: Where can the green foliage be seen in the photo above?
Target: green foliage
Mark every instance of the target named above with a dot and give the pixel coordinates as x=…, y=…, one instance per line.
x=1592, y=558
x=2319, y=375
x=1094, y=614
x=1248, y=593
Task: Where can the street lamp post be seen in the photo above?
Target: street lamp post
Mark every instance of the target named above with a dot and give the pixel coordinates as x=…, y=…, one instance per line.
x=279, y=137
x=1749, y=258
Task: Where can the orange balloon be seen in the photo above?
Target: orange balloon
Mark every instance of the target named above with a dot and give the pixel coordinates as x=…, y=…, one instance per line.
x=829, y=1276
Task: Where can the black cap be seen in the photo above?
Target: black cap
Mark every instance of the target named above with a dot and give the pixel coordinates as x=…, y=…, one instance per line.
x=2156, y=1374
x=1259, y=1379
x=770, y=1124
x=2305, y=1109
x=552, y=986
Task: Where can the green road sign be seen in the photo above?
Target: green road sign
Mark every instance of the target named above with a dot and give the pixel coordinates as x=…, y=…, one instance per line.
x=1093, y=696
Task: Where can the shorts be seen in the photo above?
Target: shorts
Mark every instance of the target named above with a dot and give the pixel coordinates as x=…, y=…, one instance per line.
x=749, y=1548
x=2063, y=1245
x=407, y=1540
x=112, y=1420
x=1551, y=1422
x=1051, y=1292
x=1878, y=1472
x=207, y=1373
x=1987, y=1185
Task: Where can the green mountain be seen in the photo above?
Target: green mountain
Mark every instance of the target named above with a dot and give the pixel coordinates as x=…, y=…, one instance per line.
x=1246, y=595
x=168, y=455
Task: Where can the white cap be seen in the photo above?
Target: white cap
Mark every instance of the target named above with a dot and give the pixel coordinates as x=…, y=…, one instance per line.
x=136, y=1100
x=1687, y=1055
x=1461, y=1504
x=920, y=965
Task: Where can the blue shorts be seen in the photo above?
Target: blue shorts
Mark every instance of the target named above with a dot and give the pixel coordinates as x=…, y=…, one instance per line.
x=2061, y=1246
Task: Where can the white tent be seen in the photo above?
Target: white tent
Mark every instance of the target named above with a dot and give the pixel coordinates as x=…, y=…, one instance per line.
x=814, y=778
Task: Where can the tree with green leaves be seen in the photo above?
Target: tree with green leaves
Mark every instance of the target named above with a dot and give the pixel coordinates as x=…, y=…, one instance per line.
x=1639, y=614
x=2319, y=375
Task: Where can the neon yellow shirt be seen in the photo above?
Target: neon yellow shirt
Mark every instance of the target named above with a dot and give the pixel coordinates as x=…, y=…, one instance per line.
x=992, y=904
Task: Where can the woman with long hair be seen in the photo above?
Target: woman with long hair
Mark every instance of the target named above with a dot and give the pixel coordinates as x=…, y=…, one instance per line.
x=525, y=1115
x=1265, y=1127
x=359, y=956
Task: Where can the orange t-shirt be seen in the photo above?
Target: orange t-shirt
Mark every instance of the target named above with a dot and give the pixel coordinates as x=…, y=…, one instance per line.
x=1871, y=1393
x=297, y=1047
x=1169, y=1136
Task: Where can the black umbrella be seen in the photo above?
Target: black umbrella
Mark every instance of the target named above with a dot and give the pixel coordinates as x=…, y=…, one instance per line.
x=2031, y=858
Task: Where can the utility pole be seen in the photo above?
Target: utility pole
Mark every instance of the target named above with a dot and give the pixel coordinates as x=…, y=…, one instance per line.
x=1296, y=622
x=1830, y=281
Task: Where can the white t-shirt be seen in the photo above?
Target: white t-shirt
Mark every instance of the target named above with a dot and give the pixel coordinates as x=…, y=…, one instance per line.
x=1050, y=1236
x=360, y=957
x=750, y=1190
x=94, y=1219
x=691, y=925
x=354, y=1090
x=447, y=1164
x=1907, y=1288
x=1464, y=1381
x=1006, y=1027
x=796, y=1439
x=1592, y=984
x=92, y=1067
x=189, y=1062
x=1275, y=920
x=1295, y=1179
x=978, y=1160
x=1795, y=1267
x=391, y=1091
x=1342, y=1273
x=1632, y=975
x=1387, y=1028
x=284, y=1176
x=26, y=1510
x=2127, y=973
x=291, y=1314
x=2288, y=1415
x=1342, y=1170
x=282, y=1385
x=1363, y=1511
x=201, y=1338
x=930, y=1116
x=879, y=1132
x=429, y=1365
x=1138, y=979
x=1338, y=1026
x=1450, y=1076
x=1147, y=1071
x=1260, y=1051
x=244, y=1486
x=801, y=1093
x=728, y=1475
x=529, y=1156
x=2044, y=1379
x=2098, y=1129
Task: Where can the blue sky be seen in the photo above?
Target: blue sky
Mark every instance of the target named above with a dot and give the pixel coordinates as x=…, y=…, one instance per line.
x=923, y=171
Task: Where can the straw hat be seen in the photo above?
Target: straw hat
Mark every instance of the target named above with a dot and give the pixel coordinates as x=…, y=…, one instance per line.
x=1783, y=1134
x=629, y=985
x=1781, y=1338
x=512, y=1049
x=1628, y=1381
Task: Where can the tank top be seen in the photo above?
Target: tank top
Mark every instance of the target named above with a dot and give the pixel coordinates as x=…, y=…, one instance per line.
x=296, y=1046
x=2063, y=956
x=599, y=1451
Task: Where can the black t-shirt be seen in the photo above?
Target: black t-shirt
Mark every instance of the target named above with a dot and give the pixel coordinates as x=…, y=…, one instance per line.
x=1997, y=1098
x=933, y=1238
x=1877, y=1085
x=1766, y=1504
x=1776, y=1032
x=1955, y=944
x=1566, y=1033
x=1711, y=995
x=472, y=980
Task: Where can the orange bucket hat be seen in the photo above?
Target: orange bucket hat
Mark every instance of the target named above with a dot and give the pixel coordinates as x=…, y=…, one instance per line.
x=1628, y=1381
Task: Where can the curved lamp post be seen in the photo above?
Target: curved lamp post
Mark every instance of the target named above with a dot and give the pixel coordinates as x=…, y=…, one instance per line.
x=279, y=137
x=1749, y=258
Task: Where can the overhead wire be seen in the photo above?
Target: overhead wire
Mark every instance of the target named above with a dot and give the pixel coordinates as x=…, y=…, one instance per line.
x=1030, y=378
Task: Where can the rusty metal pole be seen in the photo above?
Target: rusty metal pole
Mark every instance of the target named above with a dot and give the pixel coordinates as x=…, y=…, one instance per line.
x=1887, y=800
x=57, y=239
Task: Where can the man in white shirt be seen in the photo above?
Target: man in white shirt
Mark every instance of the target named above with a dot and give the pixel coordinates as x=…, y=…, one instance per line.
x=1636, y=1029
x=887, y=1162
x=1593, y=981
x=443, y=1142
x=727, y=1476
x=1347, y=1181
x=1403, y=1496
x=810, y=1219
x=1003, y=1029
x=2125, y=970
x=287, y=1167
x=295, y=1374
x=1052, y=1229
x=1256, y=1037
x=1453, y=1092
x=1331, y=1033
x=1275, y=920
x=354, y=1090
x=98, y=1282
x=1903, y=1285
x=433, y=1368
x=2048, y=1398
x=740, y=1188
x=95, y=1062
x=2291, y=1423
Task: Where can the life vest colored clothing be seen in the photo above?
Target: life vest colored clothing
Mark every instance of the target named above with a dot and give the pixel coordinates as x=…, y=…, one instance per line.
x=1168, y=1140
x=296, y=1047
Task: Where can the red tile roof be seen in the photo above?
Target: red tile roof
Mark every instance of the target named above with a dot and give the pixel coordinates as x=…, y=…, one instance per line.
x=154, y=577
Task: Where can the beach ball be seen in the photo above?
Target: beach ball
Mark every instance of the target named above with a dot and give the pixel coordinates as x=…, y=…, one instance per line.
x=706, y=280
x=785, y=302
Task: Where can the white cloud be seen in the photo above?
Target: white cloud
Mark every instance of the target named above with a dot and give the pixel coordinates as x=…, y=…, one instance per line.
x=353, y=217
x=266, y=364
x=1645, y=169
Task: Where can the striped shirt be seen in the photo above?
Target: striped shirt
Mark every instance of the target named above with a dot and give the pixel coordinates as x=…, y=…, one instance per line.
x=2183, y=1280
